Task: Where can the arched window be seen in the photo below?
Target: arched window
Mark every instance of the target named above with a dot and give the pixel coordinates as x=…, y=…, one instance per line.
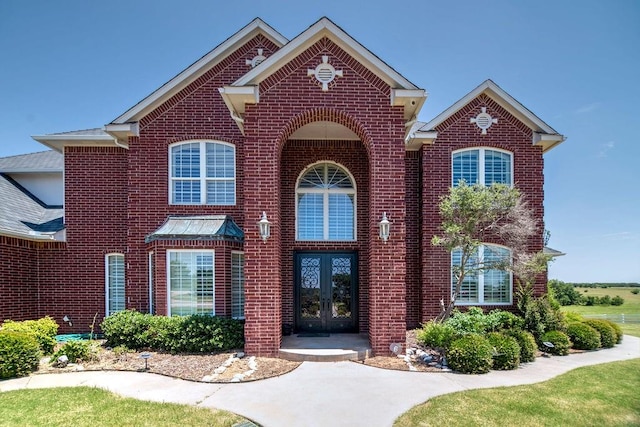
x=482, y=166
x=202, y=173
x=326, y=204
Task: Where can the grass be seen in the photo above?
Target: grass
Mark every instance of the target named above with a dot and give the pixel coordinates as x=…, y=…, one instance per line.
x=631, y=306
x=602, y=395
x=84, y=406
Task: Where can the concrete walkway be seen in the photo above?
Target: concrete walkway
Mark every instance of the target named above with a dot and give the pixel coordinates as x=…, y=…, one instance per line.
x=323, y=394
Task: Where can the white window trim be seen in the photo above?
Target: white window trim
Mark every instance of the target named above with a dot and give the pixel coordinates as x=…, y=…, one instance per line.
x=107, y=293
x=244, y=282
x=481, y=301
x=151, y=266
x=203, y=172
x=168, y=276
x=481, y=162
x=325, y=202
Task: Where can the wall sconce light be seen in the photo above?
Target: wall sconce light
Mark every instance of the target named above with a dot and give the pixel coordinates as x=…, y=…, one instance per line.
x=67, y=319
x=265, y=227
x=384, y=228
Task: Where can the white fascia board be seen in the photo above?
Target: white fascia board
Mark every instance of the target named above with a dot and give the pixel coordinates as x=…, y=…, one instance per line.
x=547, y=141
x=58, y=142
x=235, y=97
x=505, y=100
x=324, y=27
x=35, y=236
x=417, y=139
x=122, y=132
x=173, y=86
x=411, y=99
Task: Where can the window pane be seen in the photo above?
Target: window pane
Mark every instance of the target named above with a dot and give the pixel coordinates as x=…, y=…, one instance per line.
x=314, y=178
x=310, y=217
x=186, y=192
x=497, y=167
x=337, y=178
x=237, y=286
x=465, y=166
x=469, y=288
x=191, y=283
x=221, y=192
x=497, y=283
x=341, y=217
x=115, y=283
x=186, y=161
x=220, y=161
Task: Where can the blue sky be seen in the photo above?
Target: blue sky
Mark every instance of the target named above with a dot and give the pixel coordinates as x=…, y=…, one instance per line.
x=77, y=64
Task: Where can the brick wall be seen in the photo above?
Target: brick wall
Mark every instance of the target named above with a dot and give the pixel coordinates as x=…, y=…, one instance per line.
x=18, y=279
x=455, y=133
x=414, y=237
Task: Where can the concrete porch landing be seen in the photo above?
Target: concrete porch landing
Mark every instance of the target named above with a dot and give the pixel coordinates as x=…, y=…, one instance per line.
x=334, y=348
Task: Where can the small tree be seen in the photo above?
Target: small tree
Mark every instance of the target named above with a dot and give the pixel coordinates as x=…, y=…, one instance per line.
x=473, y=214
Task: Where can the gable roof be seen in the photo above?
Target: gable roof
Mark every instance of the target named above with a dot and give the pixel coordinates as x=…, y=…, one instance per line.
x=96, y=137
x=43, y=161
x=195, y=70
x=245, y=90
x=543, y=134
x=24, y=216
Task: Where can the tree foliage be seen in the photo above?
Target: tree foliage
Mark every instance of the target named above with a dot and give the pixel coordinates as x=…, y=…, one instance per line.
x=475, y=214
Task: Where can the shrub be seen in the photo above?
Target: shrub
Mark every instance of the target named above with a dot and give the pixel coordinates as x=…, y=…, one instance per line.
x=540, y=317
x=527, y=344
x=605, y=300
x=583, y=336
x=617, y=300
x=560, y=340
x=635, y=291
x=43, y=330
x=195, y=333
x=19, y=354
x=572, y=316
x=608, y=337
x=617, y=329
x=437, y=335
x=507, y=351
x=470, y=354
x=470, y=322
x=500, y=320
x=76, y=351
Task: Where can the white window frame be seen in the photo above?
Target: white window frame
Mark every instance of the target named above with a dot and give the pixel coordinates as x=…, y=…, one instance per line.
x=481, y=277
x=325, y=203
x=241, y=284
x=481, y=162
x=107, y=282
x=203, y=173
x=213, y=263
x=151, y=266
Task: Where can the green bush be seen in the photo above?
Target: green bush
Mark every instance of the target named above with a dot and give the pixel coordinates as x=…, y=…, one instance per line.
x=43, y=330
x=527, y=343
x=565, y=293
x=77, y=351
x=617, y=300
x=583, y=336
x=540, y=317
x=635, y=291
x=500, y=320
x=608, y=337
x=507, y=351
x=560, y=340
x=191, y=334
x=436, y=335
x=19, y=354
x=572, y=316
x=617, y=329
x=470, y=354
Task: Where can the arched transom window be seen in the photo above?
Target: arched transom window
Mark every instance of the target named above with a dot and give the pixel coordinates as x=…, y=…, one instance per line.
x=326, y=204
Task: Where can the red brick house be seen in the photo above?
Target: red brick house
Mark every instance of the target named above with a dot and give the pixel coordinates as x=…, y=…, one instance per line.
x=315, y=137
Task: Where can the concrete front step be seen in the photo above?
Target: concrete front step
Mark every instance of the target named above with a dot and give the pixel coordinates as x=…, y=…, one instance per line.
x=329, y=348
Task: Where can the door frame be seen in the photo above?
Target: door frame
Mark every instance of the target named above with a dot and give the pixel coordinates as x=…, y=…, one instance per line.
x=298, y=327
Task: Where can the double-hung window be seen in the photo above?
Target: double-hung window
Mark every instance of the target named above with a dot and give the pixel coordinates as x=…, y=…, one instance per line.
x=115, y=283
x=484, y=284
x=326, y=204
x=484, y=166
x=202, y=173
x=191, y=282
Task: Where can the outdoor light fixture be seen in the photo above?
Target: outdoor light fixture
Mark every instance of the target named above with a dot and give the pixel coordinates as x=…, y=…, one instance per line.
x=67, y=319
x=145, y=356
x=265, y=227
x=384, y=228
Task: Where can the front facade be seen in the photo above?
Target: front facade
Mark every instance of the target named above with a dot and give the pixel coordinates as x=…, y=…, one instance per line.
x=317, y=139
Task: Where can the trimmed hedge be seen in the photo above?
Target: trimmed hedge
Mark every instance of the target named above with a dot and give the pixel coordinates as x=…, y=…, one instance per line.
x=527, y=343
x=559, y=339
x=43, y=330
x=583, y=336
x=507, y=351
x=187, y=334
x=608, y=337
x=436, y=335
x=19, y=353
x=470, y=354
x=617, y=329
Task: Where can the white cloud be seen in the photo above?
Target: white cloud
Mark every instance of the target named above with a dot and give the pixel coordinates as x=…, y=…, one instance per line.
x=587, y=108
x=605, y=148
x=622, y=235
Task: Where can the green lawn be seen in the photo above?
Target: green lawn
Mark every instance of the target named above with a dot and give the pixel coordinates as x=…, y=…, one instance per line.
x=631, y=306
x=92, y=407
x=601, y=395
